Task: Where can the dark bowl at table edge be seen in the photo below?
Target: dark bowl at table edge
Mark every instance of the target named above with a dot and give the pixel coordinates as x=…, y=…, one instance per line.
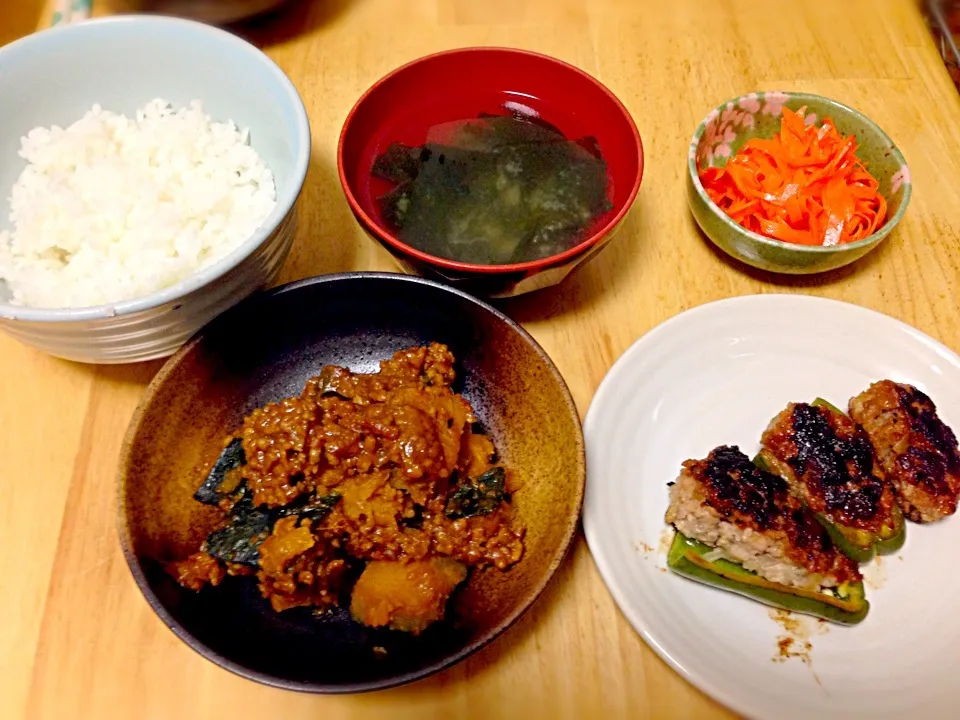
x=140, y=578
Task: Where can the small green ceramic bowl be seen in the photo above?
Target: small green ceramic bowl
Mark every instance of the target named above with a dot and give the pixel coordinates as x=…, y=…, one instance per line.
x=725, y=129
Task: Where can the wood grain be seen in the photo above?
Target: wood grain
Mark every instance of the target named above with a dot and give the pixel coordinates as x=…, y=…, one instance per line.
x=78, y=641
x=19, y=19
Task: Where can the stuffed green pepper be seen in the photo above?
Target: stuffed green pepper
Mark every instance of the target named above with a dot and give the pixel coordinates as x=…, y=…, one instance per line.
x=740, y=529
x=830, y=465
x=917, y=450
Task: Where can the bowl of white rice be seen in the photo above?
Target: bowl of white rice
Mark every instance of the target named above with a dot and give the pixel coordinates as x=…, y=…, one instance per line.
x=149, y=173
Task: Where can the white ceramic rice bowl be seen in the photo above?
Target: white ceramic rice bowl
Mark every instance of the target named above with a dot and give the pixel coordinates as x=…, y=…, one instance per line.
x=54, y=77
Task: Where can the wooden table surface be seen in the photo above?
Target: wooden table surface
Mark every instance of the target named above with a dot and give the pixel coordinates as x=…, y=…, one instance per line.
x=78, y=641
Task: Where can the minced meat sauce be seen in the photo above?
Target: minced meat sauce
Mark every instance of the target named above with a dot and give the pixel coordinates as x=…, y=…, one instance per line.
x=379, y=474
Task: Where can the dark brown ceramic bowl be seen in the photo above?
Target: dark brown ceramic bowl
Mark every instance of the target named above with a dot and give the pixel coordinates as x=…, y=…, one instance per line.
x=265, y=349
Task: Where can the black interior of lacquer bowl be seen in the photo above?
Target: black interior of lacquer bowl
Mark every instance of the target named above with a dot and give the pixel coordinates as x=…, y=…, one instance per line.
x=265, y=349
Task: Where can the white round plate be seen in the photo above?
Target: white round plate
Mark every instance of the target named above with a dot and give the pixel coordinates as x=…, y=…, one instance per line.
x=716, y=375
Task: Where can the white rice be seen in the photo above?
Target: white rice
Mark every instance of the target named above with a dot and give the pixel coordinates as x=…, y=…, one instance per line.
x=113, y=208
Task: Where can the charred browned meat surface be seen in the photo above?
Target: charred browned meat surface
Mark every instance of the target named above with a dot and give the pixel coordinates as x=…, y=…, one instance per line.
x=917, y=450
x=830, y=465
x=749, y=515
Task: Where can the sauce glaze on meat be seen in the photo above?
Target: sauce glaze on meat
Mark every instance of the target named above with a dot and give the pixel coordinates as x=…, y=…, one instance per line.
x=917, y=449
x=830, y=464
x=753, y=510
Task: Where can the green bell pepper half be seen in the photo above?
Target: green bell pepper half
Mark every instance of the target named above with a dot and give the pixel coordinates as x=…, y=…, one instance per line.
x=848, y=606
x=858, y=545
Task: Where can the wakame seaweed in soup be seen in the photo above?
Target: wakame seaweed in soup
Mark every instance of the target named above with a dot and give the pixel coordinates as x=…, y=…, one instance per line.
x=494, y=190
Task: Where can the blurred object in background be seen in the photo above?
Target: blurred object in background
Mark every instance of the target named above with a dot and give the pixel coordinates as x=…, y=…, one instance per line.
x=19, y=18
x=944, y=17
x=216, y=12
x=70, y=11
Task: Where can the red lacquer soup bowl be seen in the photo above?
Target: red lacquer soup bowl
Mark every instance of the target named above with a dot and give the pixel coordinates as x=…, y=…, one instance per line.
x=462, y=84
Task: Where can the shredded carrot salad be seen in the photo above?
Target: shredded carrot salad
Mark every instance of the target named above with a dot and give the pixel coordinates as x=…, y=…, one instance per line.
x=805, y=186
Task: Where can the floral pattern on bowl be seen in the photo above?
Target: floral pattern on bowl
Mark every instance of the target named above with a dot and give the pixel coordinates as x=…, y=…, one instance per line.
x=725, y=129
